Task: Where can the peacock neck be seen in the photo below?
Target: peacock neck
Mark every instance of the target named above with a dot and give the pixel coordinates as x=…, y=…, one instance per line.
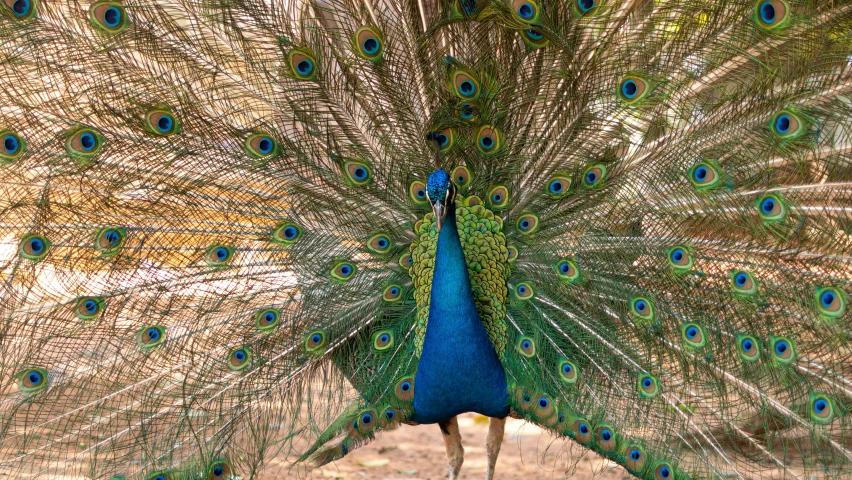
x=459, y=370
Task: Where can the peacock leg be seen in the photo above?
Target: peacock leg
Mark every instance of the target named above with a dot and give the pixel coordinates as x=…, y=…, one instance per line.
x=493, y=442
x=452, y=441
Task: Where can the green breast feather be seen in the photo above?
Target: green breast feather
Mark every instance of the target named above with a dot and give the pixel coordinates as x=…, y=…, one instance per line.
x=484, y=245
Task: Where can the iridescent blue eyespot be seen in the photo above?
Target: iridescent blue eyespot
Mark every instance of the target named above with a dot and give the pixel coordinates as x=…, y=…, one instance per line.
x=543, y=402
x=526, y=11
x=21, y=8
x=827, y=298
x=11, y=144
x=534, y=34
x=635, y=454
x=768, y=205
x=647, y=382
x=265, y=145
x=640, y=306
x=585, y=5
x=591, y=177
x=700, y=173
x=371, y=46
x=88, y=141
x=767, y=12
x=486, y=142
x=781, y=347
x=165, y=123
x=390, y=414
x=741, y=279
x=360, y=173
x=153, y=334
x=820, y=406
x=366, y=419
x=567, y=368
x=677, y=255
x=35, y=378
x=629, y=89
x=606, y=435
x=584, y=428
x=691, y=332
x=305, y=67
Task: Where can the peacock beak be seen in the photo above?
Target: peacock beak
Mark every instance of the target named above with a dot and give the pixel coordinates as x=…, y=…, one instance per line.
x=439, y=211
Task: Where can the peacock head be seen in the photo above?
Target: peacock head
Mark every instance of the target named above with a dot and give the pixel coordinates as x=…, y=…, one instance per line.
x=441, y=194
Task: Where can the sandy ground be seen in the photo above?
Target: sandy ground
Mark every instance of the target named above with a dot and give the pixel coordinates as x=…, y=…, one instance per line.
x=417, y=453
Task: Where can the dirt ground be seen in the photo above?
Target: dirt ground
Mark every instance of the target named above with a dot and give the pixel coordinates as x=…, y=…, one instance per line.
x=417, y=453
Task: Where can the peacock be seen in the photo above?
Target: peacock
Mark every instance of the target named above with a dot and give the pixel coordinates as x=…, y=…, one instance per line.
x=237, y=230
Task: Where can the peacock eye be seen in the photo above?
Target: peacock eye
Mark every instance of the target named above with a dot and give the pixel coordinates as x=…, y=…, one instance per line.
x=369, y=43
x=286, y=233
x=108, y=16
x=533, y=38
x=680, y=258
x=558, y=186
x=524, y=291
x=586, y=6
x=831, y=302
x=771, y=14
x=266, y=320
x=33, y=247
x=379, y=243
x=749, y=349
x=32, y=380
x=461, y=176
x=498, y=198
x=383, y=340
x=648, y=386
x=239, y=359
x=642, y=310
x=783, y=350
x=20, y=9
x=392, y=293
x=358, y=173
x=343, y=271
x=12, y=146
x=83, y=143
x=260, y=145
x=88, y=308
x=405, y=389
x=219, y=470
x=663, y=472
x=302, y=64
x=316, y=341
x=417, y=192
x=161, y=122
x=632, y=89
x=464, y=85
x=527, y=10
x=693, y=334
x=527, y=223
x=218, y=255
x=568, y=371
x=593, y=176
x=526, y=347
x=743, y=282
x=488, y=139
x=151, y=336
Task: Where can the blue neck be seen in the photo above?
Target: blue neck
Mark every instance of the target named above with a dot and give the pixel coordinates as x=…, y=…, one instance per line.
x=459, y=370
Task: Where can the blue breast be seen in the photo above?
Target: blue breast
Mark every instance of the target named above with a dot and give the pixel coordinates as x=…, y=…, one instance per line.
x=459, y=370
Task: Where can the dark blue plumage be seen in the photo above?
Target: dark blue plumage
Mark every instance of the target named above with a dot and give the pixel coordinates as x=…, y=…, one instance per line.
x=459, y=370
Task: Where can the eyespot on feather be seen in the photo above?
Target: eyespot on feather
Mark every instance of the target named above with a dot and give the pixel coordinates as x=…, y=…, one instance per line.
x=286, y=233
x=582, y=431
x=511, y=253
x=831, y=302
x=821, y=409
x=693, y=335
x=88, y=308
x=445, y=139
x=498, y=198
x=568, y=372
x=20, y=9
x=663, y=471
x=369, y=43
x=220, y=470
x=461, y=177
x=32, y=380
x=771, y=208
x=160, y=475
x=161, y=122
x=704, y=175
x=392, y=293
x=543, y=407
x=748, y=348
x=488, y=139
x=467, y=111
x=534, y=38
x=524, y=399
x=527, y=223
x=151, y=336
x=343, y=271
x=526, y=10
x=109, y=17
x=34, y=247
x=783, y=350
x=367, y=421
x=358, y=173
x=316, y=341
x=303, y=64
x=648, y=386
x=383, y=340
x=406, y=261
x=567, y=270
x=635, y=458
x=218, y=255
x=83, y=143
x=633, y=88
x=594, y=175
x=526, y=347
x=417, y=192
x=606, y=439
x=108, y=241
x=12, y=146
x=771, y=14
x=643, y=311
x=524, y=291
x=558, y=186
x=680, y=258
x=464, y=85
x=743, y=283
x=266, y=320
x=260, y=145
x=239, y=359
x=379, y=243
x=585, y=8
x=404, y=390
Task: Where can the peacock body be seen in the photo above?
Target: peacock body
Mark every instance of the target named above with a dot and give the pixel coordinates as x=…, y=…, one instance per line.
x=232, y=229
